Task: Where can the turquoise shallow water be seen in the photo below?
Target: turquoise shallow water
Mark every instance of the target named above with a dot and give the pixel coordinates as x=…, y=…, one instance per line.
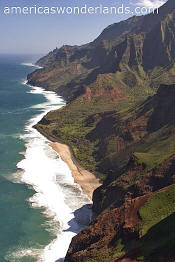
x=20, y=225
x=41, y=208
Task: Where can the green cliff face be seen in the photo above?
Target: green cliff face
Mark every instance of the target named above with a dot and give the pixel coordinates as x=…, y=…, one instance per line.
x=120, y=123
x=128, y=51
x=139, y=230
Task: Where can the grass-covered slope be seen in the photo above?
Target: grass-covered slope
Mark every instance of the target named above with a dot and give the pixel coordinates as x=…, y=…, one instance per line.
x=140, y=230
x=132, y=150
x=120, y=123
x=127, y=52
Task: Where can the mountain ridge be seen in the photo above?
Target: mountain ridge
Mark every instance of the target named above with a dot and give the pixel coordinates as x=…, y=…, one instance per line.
x=119, y=122
x=131, y=52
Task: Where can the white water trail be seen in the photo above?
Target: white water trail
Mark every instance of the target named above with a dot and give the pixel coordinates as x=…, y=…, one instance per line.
x=32, y=65
x=53, y=183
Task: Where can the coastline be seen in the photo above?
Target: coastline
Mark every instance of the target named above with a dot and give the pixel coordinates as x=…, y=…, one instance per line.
x=87, y=180
x=48, y=186
x=84, y=178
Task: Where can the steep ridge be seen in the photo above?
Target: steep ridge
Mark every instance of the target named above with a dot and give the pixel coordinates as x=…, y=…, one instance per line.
x=119, y=122
x=145, y=161
x=130, y=47
x=140, y=230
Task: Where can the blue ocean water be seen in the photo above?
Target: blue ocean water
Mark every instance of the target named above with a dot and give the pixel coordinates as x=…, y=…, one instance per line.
x=15, y=110
x=38, y=196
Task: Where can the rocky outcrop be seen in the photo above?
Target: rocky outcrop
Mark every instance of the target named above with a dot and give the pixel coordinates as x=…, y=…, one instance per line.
x=133, y=182
x=101, y=235
x=128, y=49
x=117, y=235
x=119, y=122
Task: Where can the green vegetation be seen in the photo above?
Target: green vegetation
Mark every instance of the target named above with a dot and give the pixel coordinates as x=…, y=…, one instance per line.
x=157, y=224
x=119, y=122
x=118, y=249
x=156, y=227
x=116, y=252
x=159, y=147
x=70, y=125
x=157, y=208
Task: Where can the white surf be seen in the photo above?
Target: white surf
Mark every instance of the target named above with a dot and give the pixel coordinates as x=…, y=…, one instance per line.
x=54, y=185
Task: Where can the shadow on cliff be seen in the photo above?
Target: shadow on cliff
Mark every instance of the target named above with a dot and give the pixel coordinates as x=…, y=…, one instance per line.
x=60, y=260
x=157, y=244
x=82, y=218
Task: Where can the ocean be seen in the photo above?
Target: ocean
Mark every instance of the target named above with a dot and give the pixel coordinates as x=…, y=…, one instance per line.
x=41, y=207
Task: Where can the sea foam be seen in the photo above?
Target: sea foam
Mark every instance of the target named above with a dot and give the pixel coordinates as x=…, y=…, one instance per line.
x=54, y=185
x=31, y=65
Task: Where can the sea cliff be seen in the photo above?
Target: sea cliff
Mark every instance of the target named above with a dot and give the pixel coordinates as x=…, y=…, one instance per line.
x=119, y=123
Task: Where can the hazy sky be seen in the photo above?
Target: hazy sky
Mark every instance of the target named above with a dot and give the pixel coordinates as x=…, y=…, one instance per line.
x=42, y=33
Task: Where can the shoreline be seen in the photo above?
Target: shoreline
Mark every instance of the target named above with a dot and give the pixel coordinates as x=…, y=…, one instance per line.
x=87, y=180
x=84, y=178
x=48, y=188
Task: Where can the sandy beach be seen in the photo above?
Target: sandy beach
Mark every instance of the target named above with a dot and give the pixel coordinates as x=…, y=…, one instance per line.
x=84, y=178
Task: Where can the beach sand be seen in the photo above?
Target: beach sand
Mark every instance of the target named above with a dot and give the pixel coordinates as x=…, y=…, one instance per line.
x=84, y=178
